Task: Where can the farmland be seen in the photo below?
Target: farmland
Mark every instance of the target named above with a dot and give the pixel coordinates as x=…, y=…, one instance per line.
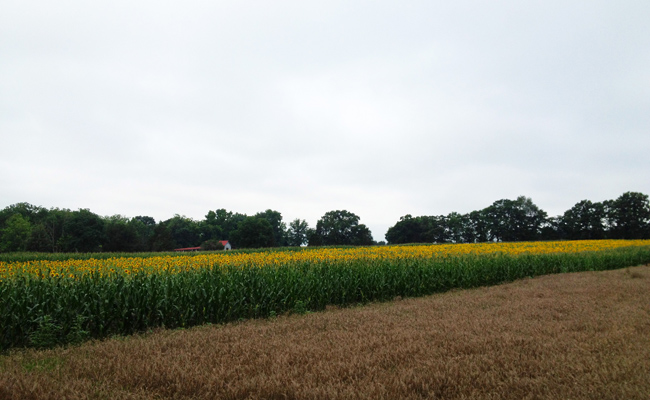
x=62, y=299
x=563, y=336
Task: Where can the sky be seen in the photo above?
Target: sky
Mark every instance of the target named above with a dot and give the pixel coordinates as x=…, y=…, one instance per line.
x=381, y=108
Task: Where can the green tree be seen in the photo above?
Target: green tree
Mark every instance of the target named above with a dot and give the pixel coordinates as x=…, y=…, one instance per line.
x=341, y=227
x=16, y=233
x=28, y=211
x=185, y=231
x=161, y=240
x=120, y=234
x=477, y=228
x=54, y=225
x=253, y=232
x=514, y=220
x=551, y=229
x=36, y=217
x=211, y=245
x=210, y=229
x=457, y=227
x=361, y=236
x=84, y=232
x=279, y=227
x=630, y=214
x=39, y=240
x=585, y=220
x=227, y=221
x=436, y=229
x=406, y=230
x=297, y=232
x=144, y=227
x=423, y=229
x=313, y=238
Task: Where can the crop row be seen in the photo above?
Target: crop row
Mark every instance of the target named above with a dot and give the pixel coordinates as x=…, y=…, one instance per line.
x=42, y=308
x=107, y=265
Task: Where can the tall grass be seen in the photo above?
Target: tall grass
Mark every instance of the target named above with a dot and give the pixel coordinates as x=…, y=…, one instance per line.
x=64, y=308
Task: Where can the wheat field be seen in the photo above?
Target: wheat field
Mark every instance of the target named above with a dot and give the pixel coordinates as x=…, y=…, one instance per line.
x=578, y=335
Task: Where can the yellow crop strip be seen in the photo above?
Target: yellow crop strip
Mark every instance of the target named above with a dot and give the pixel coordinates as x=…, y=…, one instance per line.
x=173, y=264
x=45, y=303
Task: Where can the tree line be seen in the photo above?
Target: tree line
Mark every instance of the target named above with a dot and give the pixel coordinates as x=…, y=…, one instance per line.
x=25, y=227
x=627, y=217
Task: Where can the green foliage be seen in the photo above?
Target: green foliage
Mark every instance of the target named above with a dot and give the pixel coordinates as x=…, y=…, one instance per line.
x=25, y=227
x=120, y=234
x=225, y=221
x=406, y=230
x=212, y=245
x=627, y=217
x=27, y=211
x=54, y=227
x=49, y=334
x=504, y=220
x=313, y=238
x=340, y=227
x=184, y=231
x=361, y=236
x=585, y=220
x=515, y=220
x=55, y=311
x=253, y=232
x=143, y=227
x=297, y=233
x=630, y=216
x=16, y=233
x=209, y=228
x=300, y=307
x=84, y=232
x=162, y=238
x=279, y=227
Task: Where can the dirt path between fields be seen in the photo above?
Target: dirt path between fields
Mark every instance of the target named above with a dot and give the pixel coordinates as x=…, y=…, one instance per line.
x=578, y=336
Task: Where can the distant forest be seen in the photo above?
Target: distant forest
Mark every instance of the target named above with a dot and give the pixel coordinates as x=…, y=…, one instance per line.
x=25, y=227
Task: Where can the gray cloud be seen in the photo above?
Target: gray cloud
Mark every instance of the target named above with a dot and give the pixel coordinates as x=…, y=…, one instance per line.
x=381, y=108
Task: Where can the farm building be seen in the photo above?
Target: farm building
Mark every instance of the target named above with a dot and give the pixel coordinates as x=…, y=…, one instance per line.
x=188, y=249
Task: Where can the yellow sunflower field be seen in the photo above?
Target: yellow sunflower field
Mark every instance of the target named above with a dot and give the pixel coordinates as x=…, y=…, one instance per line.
x=45, y=302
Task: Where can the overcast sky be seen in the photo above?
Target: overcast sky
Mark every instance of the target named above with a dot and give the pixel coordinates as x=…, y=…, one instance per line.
x=381, y=108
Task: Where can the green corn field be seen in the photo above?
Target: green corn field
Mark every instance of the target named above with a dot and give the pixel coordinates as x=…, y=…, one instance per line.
x=48, y=307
